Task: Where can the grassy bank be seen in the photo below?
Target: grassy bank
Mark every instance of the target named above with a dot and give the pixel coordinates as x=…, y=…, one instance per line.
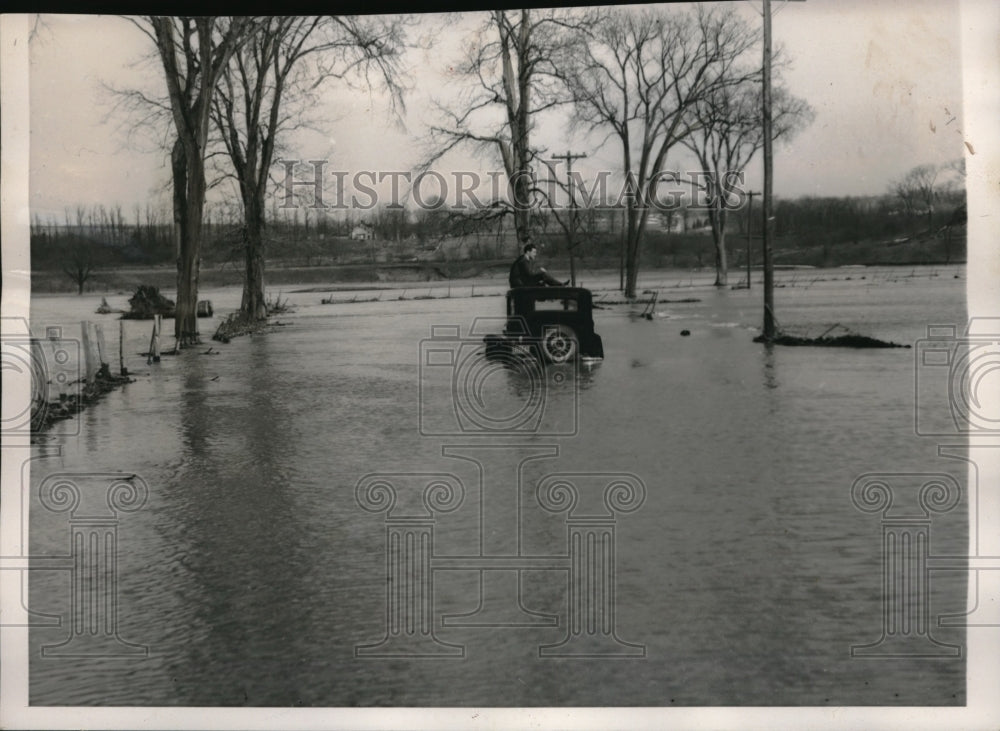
x=679, y=252
x=126, y=279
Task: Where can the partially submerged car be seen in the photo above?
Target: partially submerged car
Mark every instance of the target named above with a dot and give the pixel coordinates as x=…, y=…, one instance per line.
x=554, y=323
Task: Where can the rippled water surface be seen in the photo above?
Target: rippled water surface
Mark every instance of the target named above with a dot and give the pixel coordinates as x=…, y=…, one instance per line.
x=252, y=574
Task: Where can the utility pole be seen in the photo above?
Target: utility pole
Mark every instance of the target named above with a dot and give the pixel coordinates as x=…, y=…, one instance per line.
x=768, y=181
x=569, y=157
x=751, y=193
x=767, y=231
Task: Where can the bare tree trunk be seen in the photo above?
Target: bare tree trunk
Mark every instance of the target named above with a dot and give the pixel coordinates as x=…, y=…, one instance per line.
x=515, y=44
x=513, y=68
x=189, y=203
x=192, y=58
x=253, y=305
x=717, y=217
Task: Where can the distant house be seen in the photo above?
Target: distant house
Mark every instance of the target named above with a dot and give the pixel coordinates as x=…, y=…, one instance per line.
x=362, y=232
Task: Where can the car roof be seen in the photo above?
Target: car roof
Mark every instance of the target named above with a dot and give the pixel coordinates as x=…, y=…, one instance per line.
x=549, y=292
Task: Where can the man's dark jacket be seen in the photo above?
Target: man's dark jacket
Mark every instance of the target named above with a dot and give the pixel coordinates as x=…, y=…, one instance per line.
x=523, y=274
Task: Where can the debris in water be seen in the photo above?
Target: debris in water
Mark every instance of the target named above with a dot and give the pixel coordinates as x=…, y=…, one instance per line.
x=104, y=308
x=147, y=302
x=851, y=340
x=45, y=413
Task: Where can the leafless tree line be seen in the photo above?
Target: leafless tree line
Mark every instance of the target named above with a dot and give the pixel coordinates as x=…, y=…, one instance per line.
x=922, y=187
x=234, y=86
x=650, y=81
x=85, y=236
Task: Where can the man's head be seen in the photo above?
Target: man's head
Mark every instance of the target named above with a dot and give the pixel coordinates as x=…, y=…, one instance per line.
x=530, y=250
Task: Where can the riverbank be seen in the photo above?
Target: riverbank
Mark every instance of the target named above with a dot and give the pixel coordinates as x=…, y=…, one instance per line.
x=45, y=413
x=122, y=279
x=389, y=276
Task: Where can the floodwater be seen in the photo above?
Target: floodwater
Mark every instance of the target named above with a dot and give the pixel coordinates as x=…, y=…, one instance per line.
x=253, y=576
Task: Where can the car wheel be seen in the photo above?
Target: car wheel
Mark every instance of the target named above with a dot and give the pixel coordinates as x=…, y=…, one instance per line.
x=559, y=344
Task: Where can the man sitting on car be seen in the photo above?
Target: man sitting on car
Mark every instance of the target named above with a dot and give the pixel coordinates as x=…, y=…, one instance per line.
x=524, y=274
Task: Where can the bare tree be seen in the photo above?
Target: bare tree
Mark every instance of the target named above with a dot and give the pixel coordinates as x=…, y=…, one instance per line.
x=951, y=193
x=727, y=134
x=193, y=52
x=514, y=65
x=568, y=216
x=917, y=191
x=78, y=261
x=389, y=222
x=263, y=90
x=637, y=77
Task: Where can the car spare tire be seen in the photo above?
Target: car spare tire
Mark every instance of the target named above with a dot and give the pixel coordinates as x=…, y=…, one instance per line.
x=559, y=343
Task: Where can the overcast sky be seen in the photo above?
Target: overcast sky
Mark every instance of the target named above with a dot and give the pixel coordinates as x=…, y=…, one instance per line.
x=883, y=76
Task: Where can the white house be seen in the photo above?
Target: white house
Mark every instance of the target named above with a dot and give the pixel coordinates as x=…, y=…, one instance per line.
x=362, y=232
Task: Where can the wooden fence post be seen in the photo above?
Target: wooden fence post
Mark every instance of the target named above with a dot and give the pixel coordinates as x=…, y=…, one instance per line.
x=121, y=348
x=88, y=356
x=157, y=326
x=40, y=371
x=101, y=347
x=154, y=342
x=54, y=335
